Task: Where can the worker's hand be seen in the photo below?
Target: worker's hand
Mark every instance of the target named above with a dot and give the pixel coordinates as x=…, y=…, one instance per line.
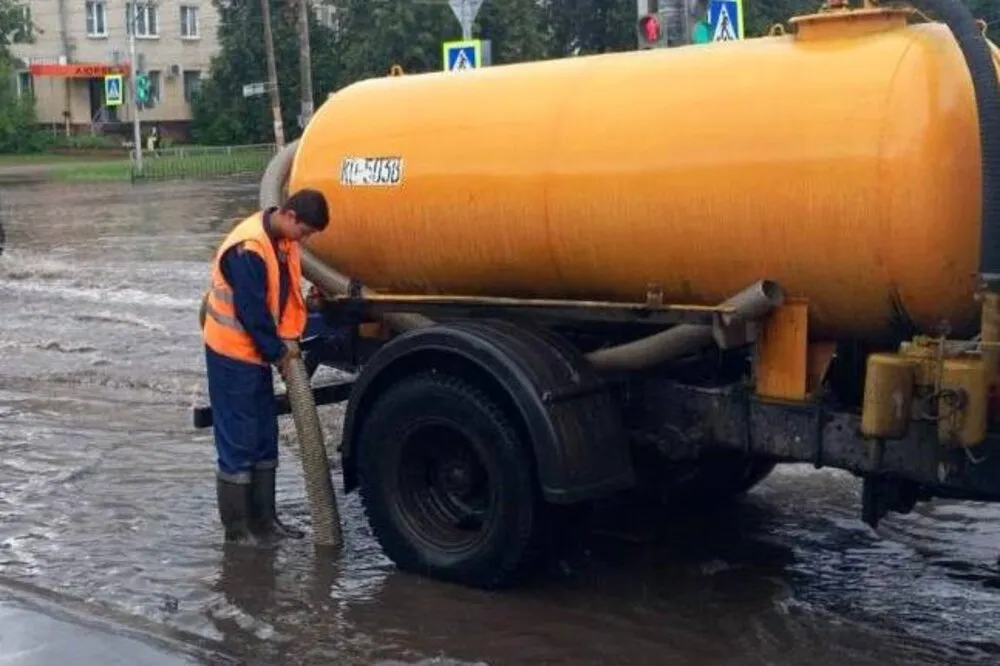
x=285, y=360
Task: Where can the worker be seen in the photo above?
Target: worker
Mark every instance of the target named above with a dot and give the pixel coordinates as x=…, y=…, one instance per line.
x=253, y=307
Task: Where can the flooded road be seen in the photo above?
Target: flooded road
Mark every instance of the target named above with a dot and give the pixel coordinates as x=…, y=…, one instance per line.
x=107, y=502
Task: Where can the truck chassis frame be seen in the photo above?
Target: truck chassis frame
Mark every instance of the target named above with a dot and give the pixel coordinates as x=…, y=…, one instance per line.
x=586, y=427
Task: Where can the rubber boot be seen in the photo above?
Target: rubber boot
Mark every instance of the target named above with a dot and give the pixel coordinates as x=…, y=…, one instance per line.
x=234, y=510
x=265, y=521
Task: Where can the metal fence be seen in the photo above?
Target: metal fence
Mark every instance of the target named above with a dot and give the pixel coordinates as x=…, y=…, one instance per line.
x=201, y=162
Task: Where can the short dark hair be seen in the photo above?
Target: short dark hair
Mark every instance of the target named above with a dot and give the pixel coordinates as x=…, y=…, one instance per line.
x=309, y=206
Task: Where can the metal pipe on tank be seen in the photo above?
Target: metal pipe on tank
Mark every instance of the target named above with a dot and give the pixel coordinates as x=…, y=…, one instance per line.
x=333, y=282
x=752, y=303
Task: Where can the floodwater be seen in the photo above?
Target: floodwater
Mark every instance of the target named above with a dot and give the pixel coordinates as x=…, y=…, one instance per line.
x=107, y=502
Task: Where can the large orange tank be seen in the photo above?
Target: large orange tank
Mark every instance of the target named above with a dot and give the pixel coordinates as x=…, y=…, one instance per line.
x=842, y=161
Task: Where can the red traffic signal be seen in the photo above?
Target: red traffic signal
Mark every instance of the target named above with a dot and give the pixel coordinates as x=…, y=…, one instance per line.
x=650, y=30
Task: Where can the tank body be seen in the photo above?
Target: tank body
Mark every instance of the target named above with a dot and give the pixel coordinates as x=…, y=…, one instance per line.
x=843, y=162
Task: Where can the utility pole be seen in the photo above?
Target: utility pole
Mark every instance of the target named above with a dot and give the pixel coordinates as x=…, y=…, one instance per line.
x=272, y=75
x=133, y=75
x=305, y=63
x=465, y=11
x=67, y=57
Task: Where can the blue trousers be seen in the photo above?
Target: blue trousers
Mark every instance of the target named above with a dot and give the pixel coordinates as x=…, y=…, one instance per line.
x=244, y=416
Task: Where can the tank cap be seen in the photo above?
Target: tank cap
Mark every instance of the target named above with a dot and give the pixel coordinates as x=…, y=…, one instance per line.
x=841, y=21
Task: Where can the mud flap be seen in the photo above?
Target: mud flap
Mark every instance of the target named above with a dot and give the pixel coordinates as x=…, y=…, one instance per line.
x=574, y=423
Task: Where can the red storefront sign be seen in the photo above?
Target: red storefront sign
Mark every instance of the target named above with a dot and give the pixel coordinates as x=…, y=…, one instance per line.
x=80, y=70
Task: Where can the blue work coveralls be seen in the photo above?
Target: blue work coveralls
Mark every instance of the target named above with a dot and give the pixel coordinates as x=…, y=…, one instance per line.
x=244, y=410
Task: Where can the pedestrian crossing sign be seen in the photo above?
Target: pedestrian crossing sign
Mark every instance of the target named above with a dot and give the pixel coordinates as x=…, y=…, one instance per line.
x=463, y=55
x=113, y=90
x=726, y=20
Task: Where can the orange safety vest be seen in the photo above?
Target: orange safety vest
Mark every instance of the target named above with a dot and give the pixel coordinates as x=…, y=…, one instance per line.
x=223, y=331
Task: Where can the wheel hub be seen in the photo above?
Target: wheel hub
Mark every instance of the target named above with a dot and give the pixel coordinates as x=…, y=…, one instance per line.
x=457, y=478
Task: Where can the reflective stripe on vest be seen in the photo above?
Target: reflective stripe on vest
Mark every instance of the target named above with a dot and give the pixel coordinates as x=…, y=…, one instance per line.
x=223, y=331
x=223, y=319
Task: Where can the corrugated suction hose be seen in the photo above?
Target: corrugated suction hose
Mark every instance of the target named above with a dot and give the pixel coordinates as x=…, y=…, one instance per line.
x=978, y=58
x=315, y=463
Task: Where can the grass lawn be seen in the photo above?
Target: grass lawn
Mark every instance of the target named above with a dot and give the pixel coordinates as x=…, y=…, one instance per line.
x=44, y=159
x=171, y=166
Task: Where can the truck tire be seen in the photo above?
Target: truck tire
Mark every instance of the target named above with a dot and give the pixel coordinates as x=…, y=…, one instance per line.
x=448, y=483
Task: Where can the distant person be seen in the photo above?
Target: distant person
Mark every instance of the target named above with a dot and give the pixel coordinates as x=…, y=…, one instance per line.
x=153, y=141
x=254, y=304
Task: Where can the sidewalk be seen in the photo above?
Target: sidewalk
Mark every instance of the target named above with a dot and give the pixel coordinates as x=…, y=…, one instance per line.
x=31, y=635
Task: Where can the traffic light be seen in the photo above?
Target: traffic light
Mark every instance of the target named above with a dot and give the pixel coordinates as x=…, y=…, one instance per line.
x=143, y=91
x=651, y=32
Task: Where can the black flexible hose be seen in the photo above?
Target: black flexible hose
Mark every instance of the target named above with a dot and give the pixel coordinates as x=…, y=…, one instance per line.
x=979, y=59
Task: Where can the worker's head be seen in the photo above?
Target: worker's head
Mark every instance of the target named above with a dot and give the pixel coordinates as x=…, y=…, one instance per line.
x=303, y=214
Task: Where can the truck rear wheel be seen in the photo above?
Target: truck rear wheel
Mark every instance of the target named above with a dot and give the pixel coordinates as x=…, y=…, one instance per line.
x=448, y=482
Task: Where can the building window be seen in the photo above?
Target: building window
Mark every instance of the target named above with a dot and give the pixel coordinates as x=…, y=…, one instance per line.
x=25, y=84
x=189, y=22
x=192, y=84
x=154, y=85
x=97, y=18
x=147, y=19
x=22, y=32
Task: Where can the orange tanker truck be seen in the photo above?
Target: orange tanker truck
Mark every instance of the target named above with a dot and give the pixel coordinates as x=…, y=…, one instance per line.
x=662, y=271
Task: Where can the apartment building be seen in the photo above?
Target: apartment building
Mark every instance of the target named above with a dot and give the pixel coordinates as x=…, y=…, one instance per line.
x=74, y=43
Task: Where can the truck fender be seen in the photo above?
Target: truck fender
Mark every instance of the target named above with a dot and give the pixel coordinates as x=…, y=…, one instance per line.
x=572, y=421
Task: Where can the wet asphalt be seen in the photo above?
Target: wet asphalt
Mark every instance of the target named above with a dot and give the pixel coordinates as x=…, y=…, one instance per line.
x=110, y=548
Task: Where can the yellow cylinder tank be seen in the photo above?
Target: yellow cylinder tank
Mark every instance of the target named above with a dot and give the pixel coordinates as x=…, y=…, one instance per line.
x=842, y=161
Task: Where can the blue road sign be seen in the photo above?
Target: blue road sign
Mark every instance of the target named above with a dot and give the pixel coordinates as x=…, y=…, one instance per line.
x=726, y=20
x=113, y=90
x=463, y=55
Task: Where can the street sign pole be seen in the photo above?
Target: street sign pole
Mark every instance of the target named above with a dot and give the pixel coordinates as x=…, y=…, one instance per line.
x=466, y=11
x=466, y=21
x=133, y=74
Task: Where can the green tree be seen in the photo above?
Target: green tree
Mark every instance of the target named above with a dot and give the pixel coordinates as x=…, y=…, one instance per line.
x=18, y=131
x=374, y=35
x=590, y=26
x=517, y=29
x=221, y=114
x=12, y=26
x=762, y=14
x=989, y=11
